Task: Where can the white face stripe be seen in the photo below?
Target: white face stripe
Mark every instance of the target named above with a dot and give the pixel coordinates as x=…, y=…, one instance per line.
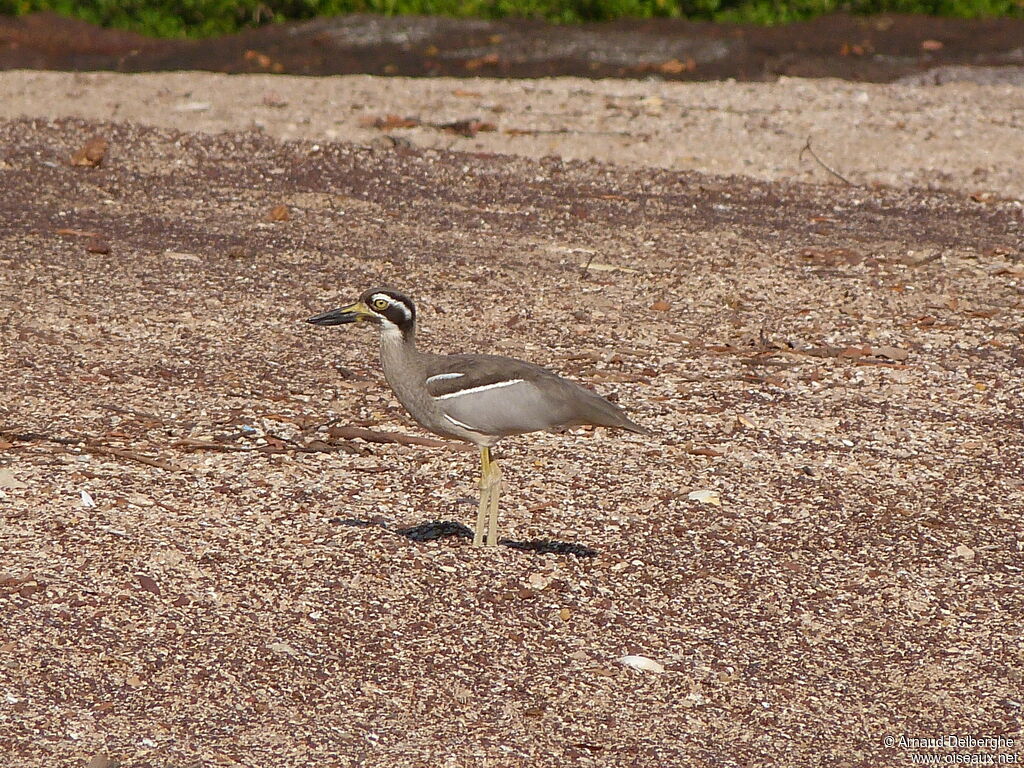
x=443, y=376
x=483, y=388
x=462, y=424
x=391, y=302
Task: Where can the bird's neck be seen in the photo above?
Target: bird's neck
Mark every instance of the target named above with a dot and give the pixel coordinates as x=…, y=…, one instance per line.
x=398, y=348
x=402, y=364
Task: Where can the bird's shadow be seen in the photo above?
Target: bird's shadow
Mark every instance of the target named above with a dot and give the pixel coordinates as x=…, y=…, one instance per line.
x=443, y=529
x=550, y=547
x=434, y=530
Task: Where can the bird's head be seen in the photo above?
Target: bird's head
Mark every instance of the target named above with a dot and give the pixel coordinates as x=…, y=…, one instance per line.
x=386, y=308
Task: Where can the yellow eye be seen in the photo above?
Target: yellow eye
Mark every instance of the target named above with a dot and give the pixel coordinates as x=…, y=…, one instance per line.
x=381, y=304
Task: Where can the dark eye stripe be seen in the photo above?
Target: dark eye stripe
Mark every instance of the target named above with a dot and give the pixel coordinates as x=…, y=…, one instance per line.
x=392, y=307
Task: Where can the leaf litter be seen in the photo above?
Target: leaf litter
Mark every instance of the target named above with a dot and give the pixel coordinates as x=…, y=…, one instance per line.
x=872, y=508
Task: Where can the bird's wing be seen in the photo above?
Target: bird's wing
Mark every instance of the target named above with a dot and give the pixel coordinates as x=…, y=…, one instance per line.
x=503, y=396
x=447, y=374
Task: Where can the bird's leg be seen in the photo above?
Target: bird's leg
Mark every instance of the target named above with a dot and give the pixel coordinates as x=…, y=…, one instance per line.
x=495, y=485
x=485, y=491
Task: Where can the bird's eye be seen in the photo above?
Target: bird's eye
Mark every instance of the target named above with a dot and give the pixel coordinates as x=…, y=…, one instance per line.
x=380, y=303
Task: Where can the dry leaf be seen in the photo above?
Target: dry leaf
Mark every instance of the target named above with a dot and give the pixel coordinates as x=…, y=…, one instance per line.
x=1011, y=271
x=278, y=213
x=710, y=452
x=693, y=699
x=389, y=122
x=538, y=580
x=641, y=664
x=283, y=648
x=675, y=66
x=661, y=306
x=180, y=256
x=598, y=266
x=97, y=245
x=91, y=154
x=148, y=583
x=193, y=106
x=484, y=61
x=8, y=480
x=468, y=128
x=705, y=497
x=263, y=61
x=893, y=353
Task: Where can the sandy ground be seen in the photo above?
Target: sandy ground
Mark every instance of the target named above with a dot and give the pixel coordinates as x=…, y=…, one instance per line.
x=957, y=136
x=821, y=544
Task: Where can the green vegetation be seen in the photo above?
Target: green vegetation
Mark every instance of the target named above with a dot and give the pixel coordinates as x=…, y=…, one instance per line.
x=200, y=18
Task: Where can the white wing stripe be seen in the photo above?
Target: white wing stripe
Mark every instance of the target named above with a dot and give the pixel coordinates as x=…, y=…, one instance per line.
x=462, y=424
x=443, y=376
x=483, y=388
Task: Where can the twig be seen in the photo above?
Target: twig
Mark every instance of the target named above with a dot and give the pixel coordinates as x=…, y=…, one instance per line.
x=768, y=362
x=927, y=259
x=89, y=445
x=807, y=148
x=77, y=233
x=329, y=423
x=121, y=453
x=709, y=452
x=586, y=267
x=563, y=131
x=125, y=411
x=373, y=436
x=192, y=444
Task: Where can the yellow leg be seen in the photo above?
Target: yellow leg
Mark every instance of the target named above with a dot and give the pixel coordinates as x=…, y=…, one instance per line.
x=490, y=489
x=481, y=515
x=495, y=483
